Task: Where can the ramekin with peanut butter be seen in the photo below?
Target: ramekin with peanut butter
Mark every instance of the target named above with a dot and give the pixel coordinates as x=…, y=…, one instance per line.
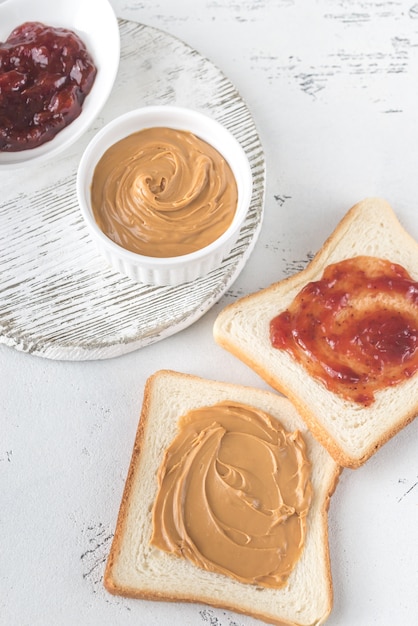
x=164, y=192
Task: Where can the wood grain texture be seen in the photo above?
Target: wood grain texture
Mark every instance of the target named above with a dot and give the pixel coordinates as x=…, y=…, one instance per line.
x=58, y=298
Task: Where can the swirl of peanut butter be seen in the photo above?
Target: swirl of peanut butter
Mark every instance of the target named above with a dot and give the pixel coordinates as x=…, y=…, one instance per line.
x=162, y=192
x=234, y=494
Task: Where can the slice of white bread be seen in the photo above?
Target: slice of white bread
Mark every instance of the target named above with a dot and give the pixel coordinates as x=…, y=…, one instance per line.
x=137, y=569
x=349, y=431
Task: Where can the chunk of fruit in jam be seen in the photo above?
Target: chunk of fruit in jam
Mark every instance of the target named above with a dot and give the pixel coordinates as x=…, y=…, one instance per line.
x=45, y=75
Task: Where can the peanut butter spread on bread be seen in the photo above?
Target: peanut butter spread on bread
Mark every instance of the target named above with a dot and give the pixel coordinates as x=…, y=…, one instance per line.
x=234, y=494
x=162, y=192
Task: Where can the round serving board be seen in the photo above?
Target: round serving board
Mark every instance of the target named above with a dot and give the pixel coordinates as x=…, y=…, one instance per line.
x=58, y=298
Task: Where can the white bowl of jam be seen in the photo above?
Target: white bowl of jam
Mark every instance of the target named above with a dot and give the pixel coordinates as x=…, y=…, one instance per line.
x=164, y=191
x=58, y=63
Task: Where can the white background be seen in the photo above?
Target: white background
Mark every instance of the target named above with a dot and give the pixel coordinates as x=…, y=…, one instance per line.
x=333, y=88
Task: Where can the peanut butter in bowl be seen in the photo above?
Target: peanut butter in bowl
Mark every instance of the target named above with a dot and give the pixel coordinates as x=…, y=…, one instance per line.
x=164, y=192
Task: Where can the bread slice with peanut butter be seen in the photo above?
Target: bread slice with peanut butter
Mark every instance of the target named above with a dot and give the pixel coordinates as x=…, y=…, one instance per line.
x=340, y=338
x=225, y=504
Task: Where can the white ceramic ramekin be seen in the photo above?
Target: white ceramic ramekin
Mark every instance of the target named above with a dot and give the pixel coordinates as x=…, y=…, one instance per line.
x=173, y=270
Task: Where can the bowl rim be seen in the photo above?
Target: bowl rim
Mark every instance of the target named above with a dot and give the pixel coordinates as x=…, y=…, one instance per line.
x=89, y=159
x=74, y=16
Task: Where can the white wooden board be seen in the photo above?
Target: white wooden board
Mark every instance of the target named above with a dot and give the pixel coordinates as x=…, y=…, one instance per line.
x=58, y=298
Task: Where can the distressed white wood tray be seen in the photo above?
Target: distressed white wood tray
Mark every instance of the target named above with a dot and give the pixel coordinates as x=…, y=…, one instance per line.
x=58, y=298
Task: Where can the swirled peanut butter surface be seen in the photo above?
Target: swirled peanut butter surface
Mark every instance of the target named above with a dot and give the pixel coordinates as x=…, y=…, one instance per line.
x=162, y=192
x=234, y=494
x=355, y=329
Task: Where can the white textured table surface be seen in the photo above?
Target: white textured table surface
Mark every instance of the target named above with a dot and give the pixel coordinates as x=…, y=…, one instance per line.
x=333, y=88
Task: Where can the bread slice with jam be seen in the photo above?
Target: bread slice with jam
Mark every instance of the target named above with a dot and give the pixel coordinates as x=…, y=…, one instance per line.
x=138, y=569
x=345, y=346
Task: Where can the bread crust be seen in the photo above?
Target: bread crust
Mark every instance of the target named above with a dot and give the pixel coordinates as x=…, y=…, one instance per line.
x=391, y=242
x=326, y=471
x=128, y=488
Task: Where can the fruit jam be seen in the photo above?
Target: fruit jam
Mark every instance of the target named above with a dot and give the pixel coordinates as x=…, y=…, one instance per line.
x=355, y=329
x=45, y=75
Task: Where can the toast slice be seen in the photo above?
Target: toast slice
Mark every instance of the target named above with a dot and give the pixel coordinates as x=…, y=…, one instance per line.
x=137, y=569
x=350, y=431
